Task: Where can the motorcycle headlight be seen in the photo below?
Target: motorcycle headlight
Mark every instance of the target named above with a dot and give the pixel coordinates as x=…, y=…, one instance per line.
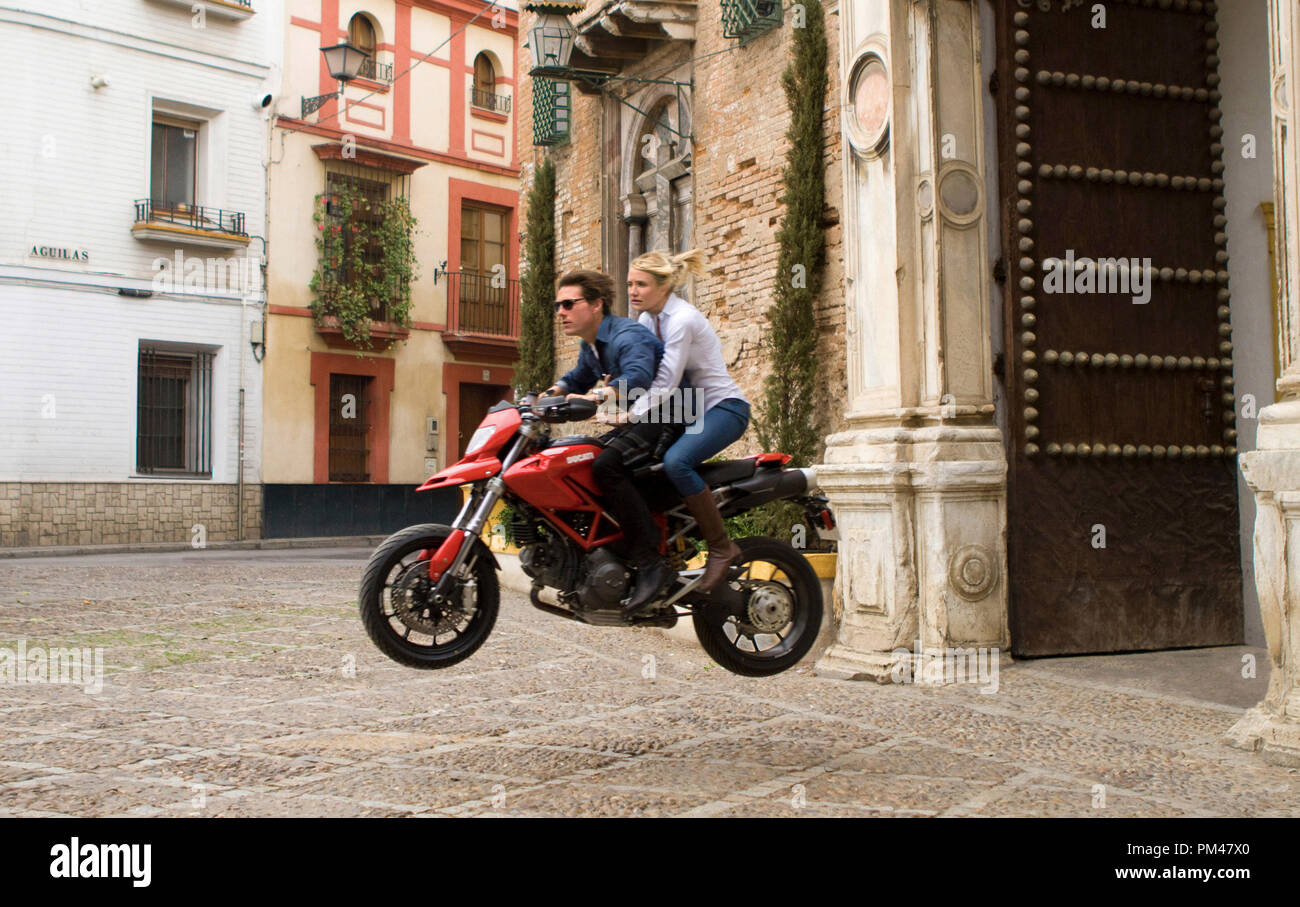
x=478, y=439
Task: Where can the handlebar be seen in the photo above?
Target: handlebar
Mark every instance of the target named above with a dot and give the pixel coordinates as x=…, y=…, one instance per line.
x=559, y=409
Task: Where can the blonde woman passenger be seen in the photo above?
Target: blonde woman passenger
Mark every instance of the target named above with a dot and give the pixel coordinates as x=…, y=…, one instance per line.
x=693, y=361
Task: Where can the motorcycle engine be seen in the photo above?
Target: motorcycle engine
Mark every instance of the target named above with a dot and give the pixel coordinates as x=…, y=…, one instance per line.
x=550, y=561
x=605, y=581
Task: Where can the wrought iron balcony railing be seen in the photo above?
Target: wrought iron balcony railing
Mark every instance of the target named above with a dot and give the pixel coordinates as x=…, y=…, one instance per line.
x=376, y=71
x=481, y=303
x=197, y=217
x=747, y=19
x=487, y=100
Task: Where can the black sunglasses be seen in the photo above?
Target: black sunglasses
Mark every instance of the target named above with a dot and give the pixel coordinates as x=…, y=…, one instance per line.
x=567, y=304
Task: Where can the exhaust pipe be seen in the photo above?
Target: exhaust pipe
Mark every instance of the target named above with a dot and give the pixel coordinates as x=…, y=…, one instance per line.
x=810, y=474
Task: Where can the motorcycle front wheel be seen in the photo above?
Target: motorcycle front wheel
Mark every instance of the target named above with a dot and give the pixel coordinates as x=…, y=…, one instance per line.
x=780, y=618
x=399, y=614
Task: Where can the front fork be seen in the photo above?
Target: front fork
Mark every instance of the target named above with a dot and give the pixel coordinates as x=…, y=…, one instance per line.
x=445, y=563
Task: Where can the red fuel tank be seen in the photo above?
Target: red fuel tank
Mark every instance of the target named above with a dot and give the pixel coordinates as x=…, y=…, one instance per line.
x=558, y=478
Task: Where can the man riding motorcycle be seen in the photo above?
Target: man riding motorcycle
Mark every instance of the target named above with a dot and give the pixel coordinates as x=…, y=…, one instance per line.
x=627, y=355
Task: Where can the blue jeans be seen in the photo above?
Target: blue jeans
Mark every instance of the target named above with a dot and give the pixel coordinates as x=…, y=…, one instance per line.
x=722, y=425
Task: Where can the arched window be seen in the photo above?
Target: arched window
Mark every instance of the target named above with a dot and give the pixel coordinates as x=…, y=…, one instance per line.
x=485, y=82
x=361, y=33
x=658, y=204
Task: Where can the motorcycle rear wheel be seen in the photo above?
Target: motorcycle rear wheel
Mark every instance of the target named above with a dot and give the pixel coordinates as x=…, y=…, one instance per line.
x=395, y=567
x=783, y=613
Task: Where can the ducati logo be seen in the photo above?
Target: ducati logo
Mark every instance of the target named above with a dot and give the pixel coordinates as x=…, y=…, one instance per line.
x=578, y=458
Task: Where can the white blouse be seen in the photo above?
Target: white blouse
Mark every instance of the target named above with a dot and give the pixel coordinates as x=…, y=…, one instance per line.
x=691, y=350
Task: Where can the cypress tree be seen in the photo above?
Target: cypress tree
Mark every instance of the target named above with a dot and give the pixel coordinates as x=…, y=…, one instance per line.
x=535, y=370
x=786, y=423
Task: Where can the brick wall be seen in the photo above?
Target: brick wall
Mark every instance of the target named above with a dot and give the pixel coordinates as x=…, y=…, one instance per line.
x=105, y=513
x=740, y=118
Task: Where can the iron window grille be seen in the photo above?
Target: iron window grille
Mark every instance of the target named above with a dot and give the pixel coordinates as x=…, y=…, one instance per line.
x=747, y=19
x=488, y=100
x=375, y=190
x=349, y=453
x=550, y=111
x=174, y=412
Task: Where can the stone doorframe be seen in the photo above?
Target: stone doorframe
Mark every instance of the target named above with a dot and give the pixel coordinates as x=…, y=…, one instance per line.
x=918, y=476
x=1272, y=470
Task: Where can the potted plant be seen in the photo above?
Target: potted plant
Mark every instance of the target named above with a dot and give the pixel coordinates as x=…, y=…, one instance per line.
x=365, y=264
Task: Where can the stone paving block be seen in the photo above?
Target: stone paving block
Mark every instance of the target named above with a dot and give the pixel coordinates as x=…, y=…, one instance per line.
x=631, y=735
x=1054, y=802
x=93, y=795
x=416, y=787
x=928, y=761
x=876, y=791
x=517, y=764
x=715, y=778
x=250, y=805
x=763, y=750
x=82, y=752
x=585, y=799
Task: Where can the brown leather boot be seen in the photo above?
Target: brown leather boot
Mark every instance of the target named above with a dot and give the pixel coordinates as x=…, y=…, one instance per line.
x=722, y=550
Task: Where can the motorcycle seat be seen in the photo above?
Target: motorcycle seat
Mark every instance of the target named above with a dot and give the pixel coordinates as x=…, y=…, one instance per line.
x=727, y=471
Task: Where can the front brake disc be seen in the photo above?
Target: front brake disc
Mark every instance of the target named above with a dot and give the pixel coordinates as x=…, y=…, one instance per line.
x=412, y=602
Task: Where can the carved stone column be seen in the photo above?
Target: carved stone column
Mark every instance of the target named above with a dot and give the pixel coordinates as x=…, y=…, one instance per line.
x=1273, y=469
x=918, y=477
x=634, y=215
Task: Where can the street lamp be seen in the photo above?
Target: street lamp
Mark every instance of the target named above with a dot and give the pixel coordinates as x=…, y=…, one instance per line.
x=344, y=62
x=550, y=40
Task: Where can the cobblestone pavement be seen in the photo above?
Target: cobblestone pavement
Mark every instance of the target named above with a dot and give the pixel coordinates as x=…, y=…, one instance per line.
x=242, y=684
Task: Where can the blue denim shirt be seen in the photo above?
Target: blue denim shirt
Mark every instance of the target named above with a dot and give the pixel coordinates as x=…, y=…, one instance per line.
x=625, y=350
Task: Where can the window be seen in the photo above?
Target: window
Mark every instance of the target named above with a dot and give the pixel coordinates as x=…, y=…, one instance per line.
x=550, y=112
x=484, y=94
x=361, y=33
x=174, y=412
x=367, y=197
x=173, y=173
x=363, y=36
x=484, y=290
x=485, y=80
x=349, y=457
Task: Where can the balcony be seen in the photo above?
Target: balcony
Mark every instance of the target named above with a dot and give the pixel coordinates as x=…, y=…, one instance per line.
x=376, y=71
x=747, y=19
x=195, y=225
x=236, y=10
x=490, y=101
x=482, y=315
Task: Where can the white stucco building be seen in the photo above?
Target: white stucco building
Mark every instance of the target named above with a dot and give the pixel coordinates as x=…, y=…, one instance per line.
x=133, y=193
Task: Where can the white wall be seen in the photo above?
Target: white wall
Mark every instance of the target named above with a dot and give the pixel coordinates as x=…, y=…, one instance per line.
x=77, y=347
x=73, y=160
x=1244, y=70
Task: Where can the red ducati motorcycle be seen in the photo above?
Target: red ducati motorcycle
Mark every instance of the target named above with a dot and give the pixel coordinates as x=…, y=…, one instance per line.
x=430, y=593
